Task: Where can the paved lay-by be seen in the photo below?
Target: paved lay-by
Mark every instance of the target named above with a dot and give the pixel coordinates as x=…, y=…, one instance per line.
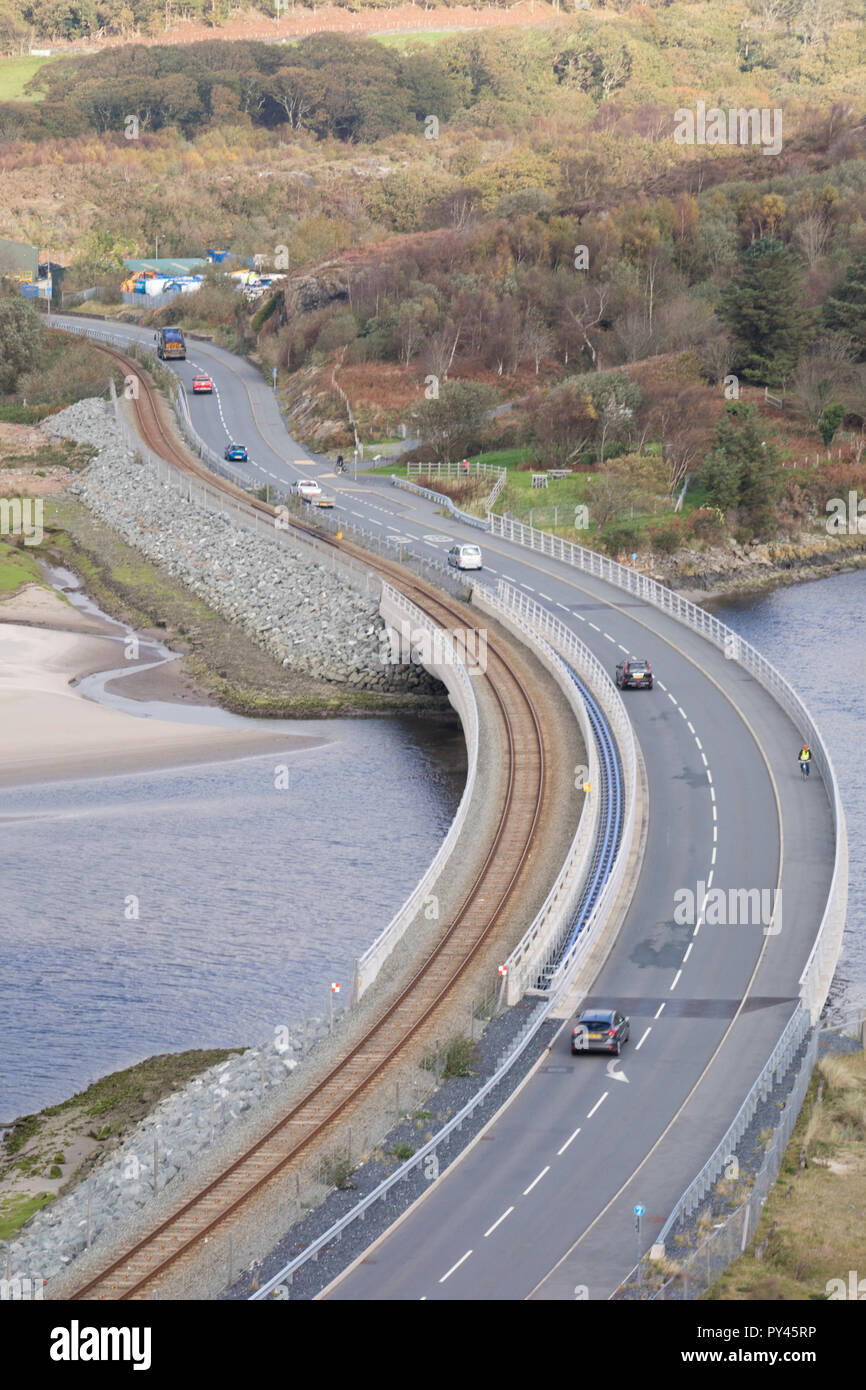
x=542, y=1205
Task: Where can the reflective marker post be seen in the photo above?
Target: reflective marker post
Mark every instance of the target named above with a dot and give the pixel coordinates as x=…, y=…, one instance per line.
x=638, y=1213
x=275, y=378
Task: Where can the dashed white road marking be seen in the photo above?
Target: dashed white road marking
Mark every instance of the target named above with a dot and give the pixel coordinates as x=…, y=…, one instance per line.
x=561, y=1151
x=713, y=859
x=698, y=742
x=691, y=727
x=510, y=579
x=676, y=979
x=671, y=697
x=609, y=638
x=643, y=1039
x=562, y=606
x=597, y=1104
x=658, y=1010
x=536, y=1180
x=622, y=648
x=544, y=596
x=595, y=627
x=688, y=952
x=498, y=1222
x=661, y=687
x=461, y=1261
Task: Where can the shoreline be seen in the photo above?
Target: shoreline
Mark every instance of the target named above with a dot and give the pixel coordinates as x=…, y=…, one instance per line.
x=50, y=731
x=758, y=574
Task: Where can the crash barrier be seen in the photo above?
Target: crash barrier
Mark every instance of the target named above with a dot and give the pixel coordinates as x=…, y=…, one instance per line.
x=815, y=979
x=448, y=665
x=581, y=900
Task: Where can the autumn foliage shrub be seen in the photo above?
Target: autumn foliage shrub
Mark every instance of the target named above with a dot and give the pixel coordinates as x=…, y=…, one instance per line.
x=668, y=537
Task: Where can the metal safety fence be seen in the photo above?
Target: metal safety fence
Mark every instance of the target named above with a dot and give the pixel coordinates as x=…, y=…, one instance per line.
x=686, y=1273
x=815, y=979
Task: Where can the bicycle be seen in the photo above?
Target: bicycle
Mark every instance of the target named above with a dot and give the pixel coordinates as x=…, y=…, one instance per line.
x=804, y=767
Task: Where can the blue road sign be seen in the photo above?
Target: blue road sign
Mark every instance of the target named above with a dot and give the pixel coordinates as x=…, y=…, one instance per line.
x=639, y=1210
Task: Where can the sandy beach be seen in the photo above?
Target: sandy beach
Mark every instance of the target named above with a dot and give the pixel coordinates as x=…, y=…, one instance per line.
x=49, y=731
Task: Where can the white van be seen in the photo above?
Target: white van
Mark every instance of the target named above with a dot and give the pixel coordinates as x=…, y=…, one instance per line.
x=465, y=557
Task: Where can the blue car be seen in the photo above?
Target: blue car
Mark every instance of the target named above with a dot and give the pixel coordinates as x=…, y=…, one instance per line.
x=236, y=452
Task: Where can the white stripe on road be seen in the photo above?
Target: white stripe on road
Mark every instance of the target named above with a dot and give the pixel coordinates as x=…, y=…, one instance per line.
x=676, y=979
x=643, y=1039
x=498, y=1223
x=597, y=1104
x=536, y=1180
x=567, y=1142
x=544, y=596
x=457, y=1266
x=658, y=1010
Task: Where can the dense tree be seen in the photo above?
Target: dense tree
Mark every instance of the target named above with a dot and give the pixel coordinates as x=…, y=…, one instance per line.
x=21, y=340
x=845, y=306
x=563, y=421
x=742, y=471
x=452, y=422
x=763, y=308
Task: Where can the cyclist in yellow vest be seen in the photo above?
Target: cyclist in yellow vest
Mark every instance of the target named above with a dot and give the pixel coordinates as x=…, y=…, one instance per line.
x=804, y=758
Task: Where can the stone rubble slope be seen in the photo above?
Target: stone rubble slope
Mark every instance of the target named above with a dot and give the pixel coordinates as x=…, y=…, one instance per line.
x=310, y=619
x=181, y=1126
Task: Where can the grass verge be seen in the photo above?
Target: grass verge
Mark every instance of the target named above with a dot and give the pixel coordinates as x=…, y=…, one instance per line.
x=813, y=1226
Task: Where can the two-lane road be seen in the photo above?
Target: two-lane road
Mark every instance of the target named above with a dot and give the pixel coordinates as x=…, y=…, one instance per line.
x=542, y=1205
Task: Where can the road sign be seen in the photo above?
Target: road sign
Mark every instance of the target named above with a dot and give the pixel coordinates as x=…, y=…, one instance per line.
x=639, y=1210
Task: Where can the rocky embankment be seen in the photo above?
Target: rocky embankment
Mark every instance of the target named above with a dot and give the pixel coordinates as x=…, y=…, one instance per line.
x=179, y=1129
x=307, y=617
x=734, y=568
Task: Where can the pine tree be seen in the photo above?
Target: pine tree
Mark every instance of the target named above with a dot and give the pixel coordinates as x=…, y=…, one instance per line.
x=742, y=471
x=763, y=308
x=845, y=306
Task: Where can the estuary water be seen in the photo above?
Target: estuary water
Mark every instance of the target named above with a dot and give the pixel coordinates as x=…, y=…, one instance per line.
x=815, y=634
x=203, y=906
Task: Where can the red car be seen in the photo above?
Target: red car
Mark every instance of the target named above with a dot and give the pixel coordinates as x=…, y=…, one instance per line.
x=201, y=384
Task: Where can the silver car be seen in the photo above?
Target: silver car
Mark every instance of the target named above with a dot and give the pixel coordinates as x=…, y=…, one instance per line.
x=465, y=557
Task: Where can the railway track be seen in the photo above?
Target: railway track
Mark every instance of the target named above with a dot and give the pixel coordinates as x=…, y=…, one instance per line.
x=136, y=1272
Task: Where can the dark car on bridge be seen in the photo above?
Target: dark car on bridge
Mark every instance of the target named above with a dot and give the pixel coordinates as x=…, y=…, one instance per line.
x=634, y=675
x=236, y=452
x=599, y=1030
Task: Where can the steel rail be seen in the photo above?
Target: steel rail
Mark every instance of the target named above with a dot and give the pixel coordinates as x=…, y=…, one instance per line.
x=427, y=989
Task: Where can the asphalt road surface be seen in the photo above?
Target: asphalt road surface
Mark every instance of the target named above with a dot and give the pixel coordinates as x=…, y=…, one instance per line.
x=542, y=1206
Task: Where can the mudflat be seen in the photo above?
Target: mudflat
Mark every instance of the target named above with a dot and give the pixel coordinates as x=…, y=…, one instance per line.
x=49, y=731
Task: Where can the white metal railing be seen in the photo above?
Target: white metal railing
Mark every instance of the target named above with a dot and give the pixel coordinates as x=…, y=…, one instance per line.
x=371, y=961
x=532, y=951
x=815, y=979
x=454, y=470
